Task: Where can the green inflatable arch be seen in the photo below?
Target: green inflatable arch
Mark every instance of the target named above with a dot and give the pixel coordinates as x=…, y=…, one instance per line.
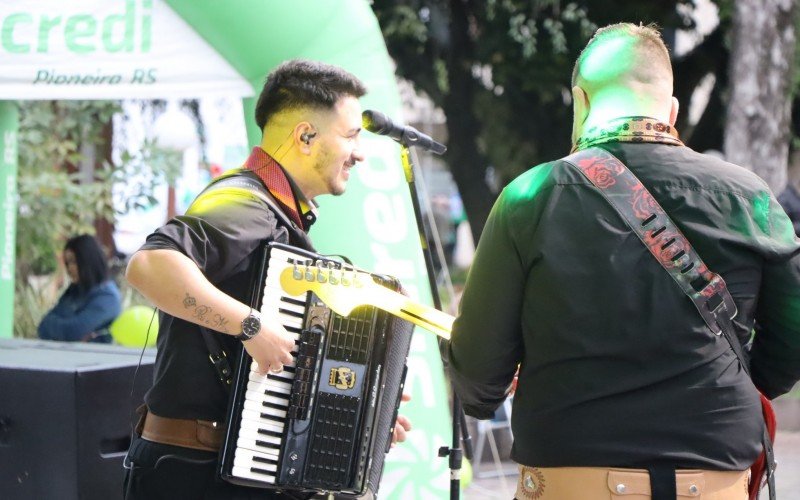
x=373, y=223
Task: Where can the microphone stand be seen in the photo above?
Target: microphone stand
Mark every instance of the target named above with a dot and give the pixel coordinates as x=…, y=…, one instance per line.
x=460, y=431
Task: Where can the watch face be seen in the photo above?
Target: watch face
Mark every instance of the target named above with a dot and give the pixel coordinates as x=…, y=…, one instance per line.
x=251, y=325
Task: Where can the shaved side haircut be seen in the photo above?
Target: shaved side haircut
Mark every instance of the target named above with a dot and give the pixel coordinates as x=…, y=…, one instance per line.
x=300, y=83
x=623, y=53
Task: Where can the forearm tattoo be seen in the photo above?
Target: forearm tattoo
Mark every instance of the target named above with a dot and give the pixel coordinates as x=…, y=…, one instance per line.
x=205, y=315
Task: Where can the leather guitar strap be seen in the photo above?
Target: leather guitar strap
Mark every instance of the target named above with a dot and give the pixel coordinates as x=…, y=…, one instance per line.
x=643, y=214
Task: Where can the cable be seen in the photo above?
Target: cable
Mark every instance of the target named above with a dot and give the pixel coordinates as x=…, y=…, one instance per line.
x=126, y=462
x=141, y=354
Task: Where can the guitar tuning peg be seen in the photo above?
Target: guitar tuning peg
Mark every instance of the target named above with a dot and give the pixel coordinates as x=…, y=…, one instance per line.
x=354, y=279
x=296, y=272
x=344, y=279
x=332, y=279
x=309, y=273
x=321, y=275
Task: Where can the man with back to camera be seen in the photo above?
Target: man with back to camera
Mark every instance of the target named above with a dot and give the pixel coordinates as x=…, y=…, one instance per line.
x=622, y=386
x=195, y=269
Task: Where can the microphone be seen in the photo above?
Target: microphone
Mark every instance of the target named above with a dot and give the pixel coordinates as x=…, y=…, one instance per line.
x=378, y=123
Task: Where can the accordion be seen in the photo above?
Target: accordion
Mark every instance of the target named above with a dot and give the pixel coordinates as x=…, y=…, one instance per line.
x=325, y=423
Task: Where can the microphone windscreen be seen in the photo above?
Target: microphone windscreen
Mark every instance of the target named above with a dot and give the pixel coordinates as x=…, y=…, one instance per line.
x=376, y=122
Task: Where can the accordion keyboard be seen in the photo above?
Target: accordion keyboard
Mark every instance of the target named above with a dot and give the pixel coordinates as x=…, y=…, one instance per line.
x=266, y=400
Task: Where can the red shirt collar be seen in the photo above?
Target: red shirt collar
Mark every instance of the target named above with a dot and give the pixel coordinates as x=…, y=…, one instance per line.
x=280, y=185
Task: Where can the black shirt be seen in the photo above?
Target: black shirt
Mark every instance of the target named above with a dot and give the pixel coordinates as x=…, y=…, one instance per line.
x=223, y=232
x=617, y=367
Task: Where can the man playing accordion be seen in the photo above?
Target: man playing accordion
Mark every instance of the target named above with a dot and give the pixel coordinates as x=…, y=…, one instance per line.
x=195, y=270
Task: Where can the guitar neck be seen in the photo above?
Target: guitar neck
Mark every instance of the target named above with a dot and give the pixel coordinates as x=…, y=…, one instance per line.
x=342, y=291
x=398, y=304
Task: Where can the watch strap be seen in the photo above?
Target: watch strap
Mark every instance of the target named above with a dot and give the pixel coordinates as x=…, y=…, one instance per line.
x=244, y=335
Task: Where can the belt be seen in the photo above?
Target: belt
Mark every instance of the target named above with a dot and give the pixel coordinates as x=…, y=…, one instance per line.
x=596, y=483
x=197, y=434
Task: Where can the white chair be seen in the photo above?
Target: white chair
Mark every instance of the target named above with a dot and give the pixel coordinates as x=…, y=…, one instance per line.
x=485, y=431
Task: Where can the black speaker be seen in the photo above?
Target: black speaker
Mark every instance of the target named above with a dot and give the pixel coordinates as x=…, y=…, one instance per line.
x=65, y=417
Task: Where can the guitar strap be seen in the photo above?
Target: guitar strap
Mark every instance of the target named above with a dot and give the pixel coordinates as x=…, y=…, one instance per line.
x=707, y=290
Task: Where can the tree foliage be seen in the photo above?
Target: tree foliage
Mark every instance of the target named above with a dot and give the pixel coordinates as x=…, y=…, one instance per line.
x=59, y=199
x=54, y=204
x=501, y=69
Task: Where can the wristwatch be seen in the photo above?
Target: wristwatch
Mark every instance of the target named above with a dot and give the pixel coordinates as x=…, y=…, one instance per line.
x=251, y=325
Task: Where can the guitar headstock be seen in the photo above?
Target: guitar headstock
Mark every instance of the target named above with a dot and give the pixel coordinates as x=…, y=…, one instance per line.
x=329, y=284
x=344, y=289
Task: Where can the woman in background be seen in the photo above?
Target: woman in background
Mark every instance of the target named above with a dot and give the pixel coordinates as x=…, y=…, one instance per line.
x=92, y=300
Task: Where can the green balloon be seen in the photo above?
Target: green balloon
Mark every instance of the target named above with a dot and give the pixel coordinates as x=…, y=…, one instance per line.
x=466, y=473
x=130, y=327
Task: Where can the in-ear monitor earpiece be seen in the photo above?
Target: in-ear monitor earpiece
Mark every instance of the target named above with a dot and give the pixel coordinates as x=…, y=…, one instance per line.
x=306, y=137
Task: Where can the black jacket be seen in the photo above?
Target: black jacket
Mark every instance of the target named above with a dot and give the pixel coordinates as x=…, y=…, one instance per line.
x=617, y=367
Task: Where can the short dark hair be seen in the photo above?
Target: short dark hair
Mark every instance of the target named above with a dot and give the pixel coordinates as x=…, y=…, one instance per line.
x=90, y=259
x=301, y=83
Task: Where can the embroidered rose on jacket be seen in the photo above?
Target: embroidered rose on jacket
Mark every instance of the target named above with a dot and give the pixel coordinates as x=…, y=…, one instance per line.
x=602, y=174
x=644, y=205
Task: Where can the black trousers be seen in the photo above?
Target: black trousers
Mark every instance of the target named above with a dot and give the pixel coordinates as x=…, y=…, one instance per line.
x=159, y=471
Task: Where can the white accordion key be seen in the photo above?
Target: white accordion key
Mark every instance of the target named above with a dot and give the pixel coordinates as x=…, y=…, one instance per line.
x=254, y=432
x=257, y=405
x=257, y=382
x=247, y=445
x=266, y=462
x=246, y=473
x=254, y=465
x=267, y=399
x=263, y=424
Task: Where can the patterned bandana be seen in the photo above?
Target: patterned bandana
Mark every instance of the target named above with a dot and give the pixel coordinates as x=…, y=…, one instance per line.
x=281, y=187
x=629, y=129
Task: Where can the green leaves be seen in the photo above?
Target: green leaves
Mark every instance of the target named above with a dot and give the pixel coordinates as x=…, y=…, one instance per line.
x=139, y=174
x=66, y=183
x=501, y=71
x=55, y=201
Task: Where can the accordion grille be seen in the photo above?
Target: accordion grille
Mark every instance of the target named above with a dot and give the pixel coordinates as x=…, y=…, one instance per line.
x=349, y=337
x=331, y=455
